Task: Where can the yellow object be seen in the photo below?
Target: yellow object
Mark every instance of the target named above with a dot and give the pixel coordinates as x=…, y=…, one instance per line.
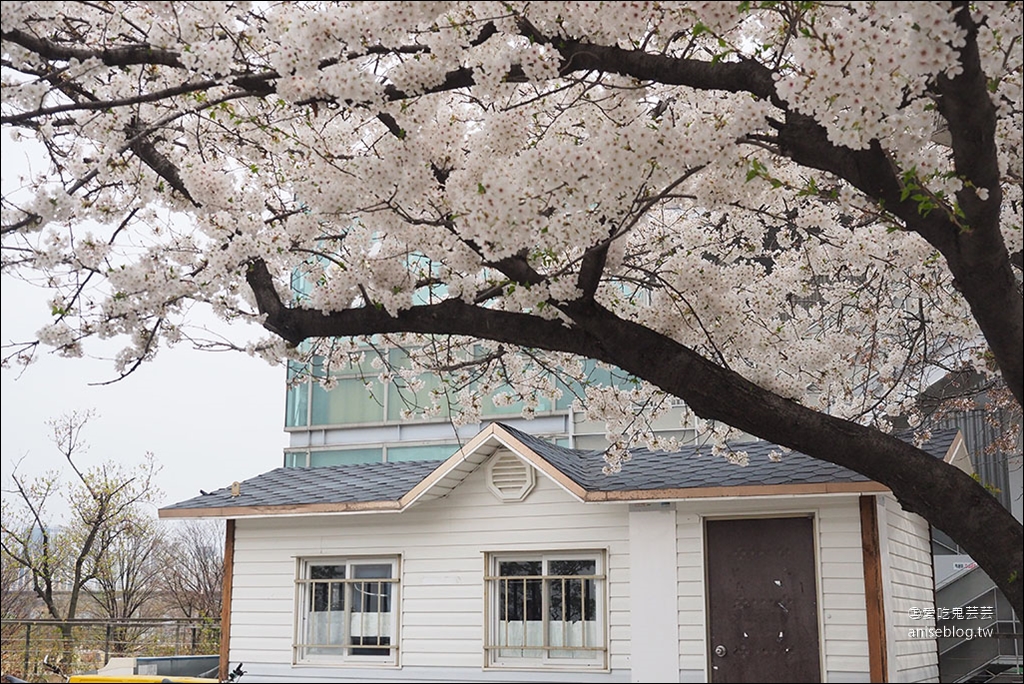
x=129, y=679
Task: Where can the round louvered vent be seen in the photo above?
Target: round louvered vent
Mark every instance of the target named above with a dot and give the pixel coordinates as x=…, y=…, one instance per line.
x=509, y=478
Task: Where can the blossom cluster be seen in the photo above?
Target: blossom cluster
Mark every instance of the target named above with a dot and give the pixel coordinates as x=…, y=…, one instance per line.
x=326, y=141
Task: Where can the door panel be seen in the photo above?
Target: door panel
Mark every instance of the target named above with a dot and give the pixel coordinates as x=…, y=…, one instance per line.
x=762, y=600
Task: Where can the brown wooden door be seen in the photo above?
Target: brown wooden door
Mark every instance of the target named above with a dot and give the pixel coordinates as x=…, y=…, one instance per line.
x=762, y=600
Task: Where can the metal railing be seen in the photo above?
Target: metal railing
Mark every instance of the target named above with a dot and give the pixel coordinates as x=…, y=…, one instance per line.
x=90, y=644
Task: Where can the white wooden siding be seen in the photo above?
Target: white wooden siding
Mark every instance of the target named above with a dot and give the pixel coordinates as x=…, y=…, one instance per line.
x=442, y=545
x=907, y=567
x=842, y=612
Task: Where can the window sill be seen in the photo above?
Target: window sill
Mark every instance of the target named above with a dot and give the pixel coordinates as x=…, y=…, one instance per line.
x=346, y=664
x=596, y=668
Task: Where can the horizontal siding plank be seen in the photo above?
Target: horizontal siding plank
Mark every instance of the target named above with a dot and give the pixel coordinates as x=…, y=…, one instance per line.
x=835, y=522
x=692, y=661
x=442, y=659
x=847, y=664
x=259, y=604
x=690, y=604
x=831, y=585
x=842, y=648
x=452, y=646
x=690, y=574
x=843, y=555
x=842, y=540
x=840, y=616
x=264, y=593
x=831, y=602
x=269, y=630
x=692, y=632
x=843, y=632
x=842, y=570
x=442, y=604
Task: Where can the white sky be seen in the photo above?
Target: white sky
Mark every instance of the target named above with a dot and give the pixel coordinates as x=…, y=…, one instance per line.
x=208, y=417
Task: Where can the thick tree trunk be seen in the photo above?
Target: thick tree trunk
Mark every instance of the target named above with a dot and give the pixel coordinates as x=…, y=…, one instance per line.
x=67, y=647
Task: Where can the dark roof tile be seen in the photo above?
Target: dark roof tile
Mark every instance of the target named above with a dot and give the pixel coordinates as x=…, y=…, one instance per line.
x=334, y=484
x=693, y=467
x=646, y=470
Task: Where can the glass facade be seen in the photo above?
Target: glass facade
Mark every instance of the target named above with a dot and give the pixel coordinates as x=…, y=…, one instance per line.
x=358, y=418
x=357, y=396
x=313, y=458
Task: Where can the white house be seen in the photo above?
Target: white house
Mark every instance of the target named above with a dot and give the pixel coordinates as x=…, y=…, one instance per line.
x=519, y=560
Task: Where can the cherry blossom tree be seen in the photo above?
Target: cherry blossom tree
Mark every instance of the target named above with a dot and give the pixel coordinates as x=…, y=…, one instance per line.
x=793, y=216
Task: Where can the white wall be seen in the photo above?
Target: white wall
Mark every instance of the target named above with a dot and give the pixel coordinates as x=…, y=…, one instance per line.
x=442, y=545
x=842, y=611
x=907, y=570
x=652, y=555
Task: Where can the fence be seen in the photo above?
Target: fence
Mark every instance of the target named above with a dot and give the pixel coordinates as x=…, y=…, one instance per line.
x=24, y=643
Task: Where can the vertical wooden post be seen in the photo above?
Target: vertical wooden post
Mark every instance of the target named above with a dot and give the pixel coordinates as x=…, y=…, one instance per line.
x=225, y=607
x=873, y=590
x=28, y=646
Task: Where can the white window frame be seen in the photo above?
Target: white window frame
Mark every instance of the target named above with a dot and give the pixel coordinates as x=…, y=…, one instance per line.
x=499, y=655
x=304, y=588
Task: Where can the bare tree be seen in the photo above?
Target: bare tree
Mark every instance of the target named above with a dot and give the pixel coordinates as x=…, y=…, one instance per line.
x=60, y=559
x=194, y=569
x=127, y=578
x=16, y=597
x=16, y=603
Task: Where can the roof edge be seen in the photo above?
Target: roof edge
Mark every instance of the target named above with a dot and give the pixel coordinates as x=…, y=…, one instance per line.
x=957, y=455
x=293, y=509
x=540, y=463
x=449, y=464
x=504, y=438
x=867, y=487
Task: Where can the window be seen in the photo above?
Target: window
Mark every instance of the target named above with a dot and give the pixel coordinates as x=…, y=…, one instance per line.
x=546, y=610
x=347, y=611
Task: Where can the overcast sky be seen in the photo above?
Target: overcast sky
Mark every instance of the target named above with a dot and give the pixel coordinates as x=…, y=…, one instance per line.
x=209, y=417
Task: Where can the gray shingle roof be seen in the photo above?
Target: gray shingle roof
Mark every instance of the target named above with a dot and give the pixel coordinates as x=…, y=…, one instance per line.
x=647, y=470
x=693, y=467
x=329, y=484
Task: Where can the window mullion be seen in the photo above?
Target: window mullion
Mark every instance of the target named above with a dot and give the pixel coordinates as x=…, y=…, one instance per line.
x=346, y=598
x=545, y=592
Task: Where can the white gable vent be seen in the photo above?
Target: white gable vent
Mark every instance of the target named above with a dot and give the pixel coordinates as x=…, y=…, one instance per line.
x=509, y=478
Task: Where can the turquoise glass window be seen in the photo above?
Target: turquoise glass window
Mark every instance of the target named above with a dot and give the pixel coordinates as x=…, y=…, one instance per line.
x=429, y=452
x=345, y=457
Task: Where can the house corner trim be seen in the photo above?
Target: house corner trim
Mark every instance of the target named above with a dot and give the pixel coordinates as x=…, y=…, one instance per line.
x=874, y=596
x=225, y=606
